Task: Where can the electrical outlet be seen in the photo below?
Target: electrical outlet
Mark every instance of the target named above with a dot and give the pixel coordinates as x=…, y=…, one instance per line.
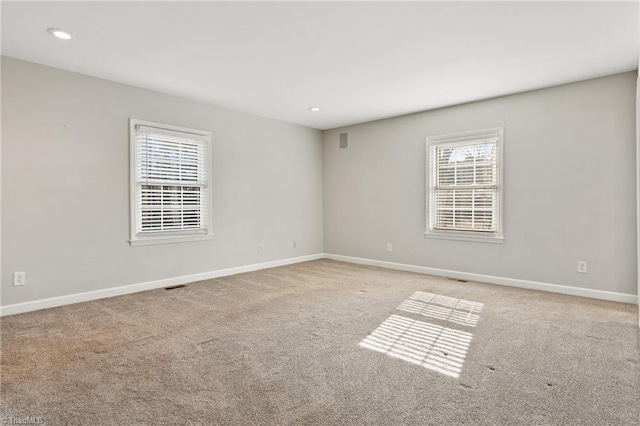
x=261, y=248
x=582, y=266
x=19, y=278
x=295, y=245
x=389, y=247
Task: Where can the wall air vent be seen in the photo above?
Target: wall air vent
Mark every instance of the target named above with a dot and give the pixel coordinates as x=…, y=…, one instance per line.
x=344, y=140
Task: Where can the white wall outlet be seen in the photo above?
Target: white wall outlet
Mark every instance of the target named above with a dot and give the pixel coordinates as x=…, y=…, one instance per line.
x=389, y=247
x=261, y=248
x=295, y=244
x=19, y=278
x=582, y=266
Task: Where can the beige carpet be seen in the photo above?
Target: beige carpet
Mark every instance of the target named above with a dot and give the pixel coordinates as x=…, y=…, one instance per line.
x=326, y=342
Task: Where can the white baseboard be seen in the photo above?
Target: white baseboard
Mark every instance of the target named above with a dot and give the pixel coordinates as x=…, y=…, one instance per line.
x=512, y=282
x=35, y=305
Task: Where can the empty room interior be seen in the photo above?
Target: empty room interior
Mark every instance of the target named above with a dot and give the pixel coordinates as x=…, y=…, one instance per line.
x=319, y=213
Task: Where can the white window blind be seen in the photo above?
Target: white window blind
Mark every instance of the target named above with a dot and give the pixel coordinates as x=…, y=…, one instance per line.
x=464, y=191
x=171, y=181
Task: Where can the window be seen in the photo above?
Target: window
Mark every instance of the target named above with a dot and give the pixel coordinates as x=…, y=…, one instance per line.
x=170, y=183
x=464, y=189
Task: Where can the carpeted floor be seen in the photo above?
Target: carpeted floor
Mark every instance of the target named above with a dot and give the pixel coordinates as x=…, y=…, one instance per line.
x=326, y=342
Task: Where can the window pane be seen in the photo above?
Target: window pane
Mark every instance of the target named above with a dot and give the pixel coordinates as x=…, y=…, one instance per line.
x=466, y=209
x=169, y=159
x=474, y=164
x=170, y=208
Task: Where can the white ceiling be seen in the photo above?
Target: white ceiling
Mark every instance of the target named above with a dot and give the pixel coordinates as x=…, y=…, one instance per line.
x=357, y=61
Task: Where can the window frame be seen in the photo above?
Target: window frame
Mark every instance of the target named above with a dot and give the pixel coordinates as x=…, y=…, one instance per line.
x=163, y=237
x=461, y=139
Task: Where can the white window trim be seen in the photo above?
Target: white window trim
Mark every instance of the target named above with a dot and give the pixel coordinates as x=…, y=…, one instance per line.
x=464, y=138
x=166, y=237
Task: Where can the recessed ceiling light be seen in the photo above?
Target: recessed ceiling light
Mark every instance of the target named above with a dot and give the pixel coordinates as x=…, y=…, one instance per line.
x=57, y=32
x=314, y=109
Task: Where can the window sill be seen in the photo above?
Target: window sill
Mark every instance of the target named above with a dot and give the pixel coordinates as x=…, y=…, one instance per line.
x=146, y=241
x=459, y=236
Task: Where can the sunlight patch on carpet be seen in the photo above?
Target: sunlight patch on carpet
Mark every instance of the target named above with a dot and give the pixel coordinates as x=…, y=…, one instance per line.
x=431, y=346
x=451, y=302
x=440, y=312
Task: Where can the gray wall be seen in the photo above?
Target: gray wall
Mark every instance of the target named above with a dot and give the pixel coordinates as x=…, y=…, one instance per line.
x=65, y=185
x=569, y=187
